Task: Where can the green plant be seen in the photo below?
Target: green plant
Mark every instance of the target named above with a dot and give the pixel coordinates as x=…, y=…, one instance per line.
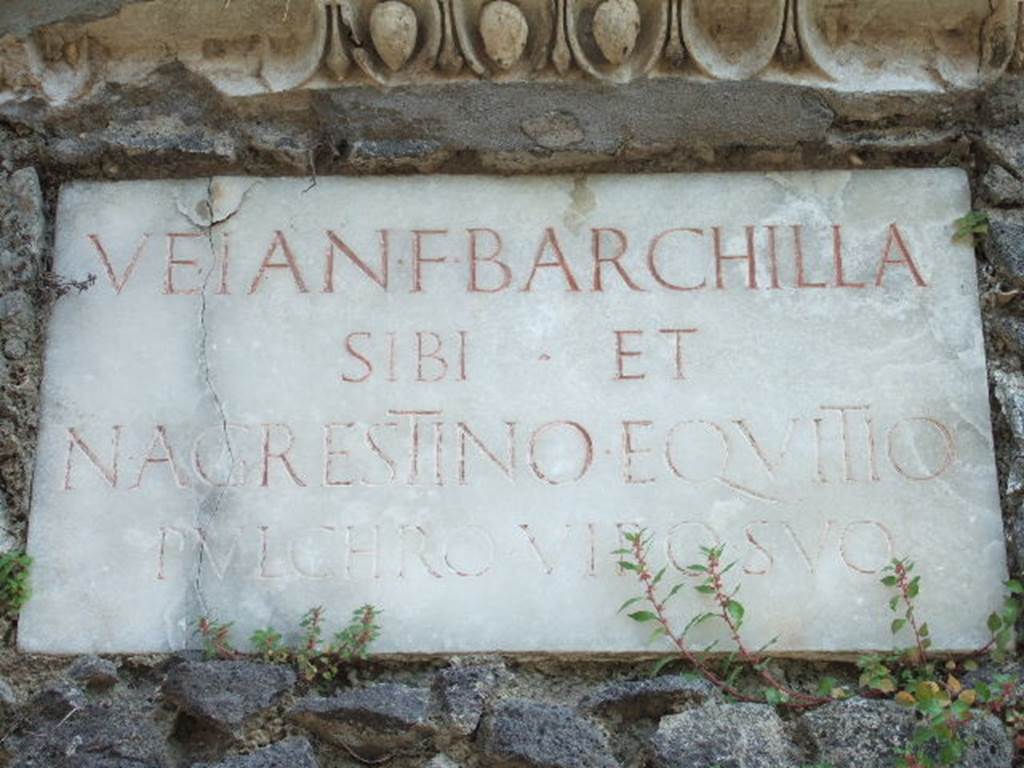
x=943, y=704
x=216, y=637
x=970, y=225
x=14, y=582
x=907, y=589
x=316, y=661
x=313, y=659
x=723, y=607
x=1001, y=623
x=268, y=644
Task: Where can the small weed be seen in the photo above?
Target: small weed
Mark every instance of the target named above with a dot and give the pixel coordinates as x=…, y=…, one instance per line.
x=722, y=607
x=58, y=285
x=14, y=583
x=943, y=704
x=314, y=660
x=971, y=225
x=216, y=639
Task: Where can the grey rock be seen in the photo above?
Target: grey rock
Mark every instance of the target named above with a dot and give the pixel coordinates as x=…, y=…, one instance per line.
x=989, y=746
x=722, y=736
x=554, y=130
x=1005, y=243
x=226, y=693
x=295, y=752
x=1000, y=187
x=1015, y=533
x=646, y=112
x=441, y=761
x=374, y=720
x=19, y=17
x=28, y=199
x=872, y=734
x=462, y=693
x=288, y=147
x=1005, y=146
x=15, y=349
x=393, y=149
x=55, y=701
x=93, y=671
x=7, y=695
x=1010, y=329
x=652, y=698
x=1009, y=391
x=521, y=732
x=106, y=734
x=867, y=734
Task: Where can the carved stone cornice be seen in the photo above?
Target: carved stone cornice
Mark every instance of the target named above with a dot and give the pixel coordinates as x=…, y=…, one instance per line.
x=250, y=47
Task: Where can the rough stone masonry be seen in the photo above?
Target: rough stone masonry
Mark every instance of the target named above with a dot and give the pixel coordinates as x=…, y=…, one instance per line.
x=109, y=91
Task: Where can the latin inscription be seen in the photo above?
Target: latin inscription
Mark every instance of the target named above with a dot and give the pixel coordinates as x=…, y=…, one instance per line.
x=431, y=392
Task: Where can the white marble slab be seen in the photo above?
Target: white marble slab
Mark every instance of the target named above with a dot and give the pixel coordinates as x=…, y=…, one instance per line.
x=817, y=419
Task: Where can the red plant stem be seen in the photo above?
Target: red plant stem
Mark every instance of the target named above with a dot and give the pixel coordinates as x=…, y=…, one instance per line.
x=217, y=639
x=650, y=594
x=904, y=587
x=313, y=634
x=366, y=635
x=715, y=572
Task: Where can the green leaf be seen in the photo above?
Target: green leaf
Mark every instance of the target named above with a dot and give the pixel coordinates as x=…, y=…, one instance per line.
x=704, y=589
x=659, y=575
x=672, y=592
x=923, y=630
x=697, y=568
x=700, y=618
x=660, y=664
x=894, y=602
x=628, y=566
x=1003, y=638
x=1014, y=587
x=642, y=616
x=826, y=685
x=775, y=697
x=970, y=224
x=658, y=632
x=914, y=587
x=735, y=610
x=890, y=581
x=994, y=622
x=897, y=625
x=631, y=601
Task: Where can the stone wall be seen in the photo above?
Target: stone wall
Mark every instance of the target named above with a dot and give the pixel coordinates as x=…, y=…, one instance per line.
x=69, y=111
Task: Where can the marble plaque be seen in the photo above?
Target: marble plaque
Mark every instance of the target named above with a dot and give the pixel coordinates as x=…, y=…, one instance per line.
x=450, y=397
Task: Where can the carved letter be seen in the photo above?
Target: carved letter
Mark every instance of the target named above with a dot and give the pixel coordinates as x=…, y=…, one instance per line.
x=109, y=473
x=551, y=241
x=652, y=264
x=119, y=283
x=475, y=259
x=333, y=241
x=600, y=260
x=896, y=238
x=279, y=241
